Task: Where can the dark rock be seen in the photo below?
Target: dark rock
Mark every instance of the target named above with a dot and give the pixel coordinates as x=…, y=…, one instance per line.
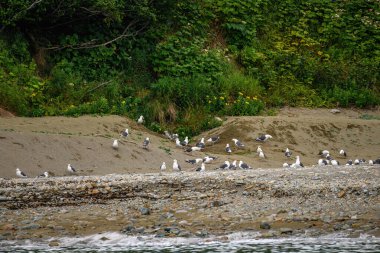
x=265, y=225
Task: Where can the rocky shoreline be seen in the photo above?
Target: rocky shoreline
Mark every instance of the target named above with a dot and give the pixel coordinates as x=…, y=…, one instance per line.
x=273, y=202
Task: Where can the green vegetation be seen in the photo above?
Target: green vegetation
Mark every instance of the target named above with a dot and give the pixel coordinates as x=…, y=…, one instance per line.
x=179, y=63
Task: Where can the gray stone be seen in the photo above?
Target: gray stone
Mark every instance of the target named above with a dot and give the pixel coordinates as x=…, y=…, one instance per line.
x=144, y=211
x=286, y=230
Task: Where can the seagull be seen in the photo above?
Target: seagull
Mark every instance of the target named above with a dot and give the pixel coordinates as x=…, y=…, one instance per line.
x=288, y=153
x=324, y=153
x=264, y=137
x=45, y=174
x=140, y=120
x=233, y=165
x=342, y=153
x=115, y=145
x=258, y=150
x=70, y=168
x=168, y=135
x=185, y=141
x=285, y=165
x=176, y=166
x=163, y=166
x=193, y=149
x=208, y=159
x=178, y=143
x=298, y=163
x=328, y=157
x=335, y=162
x=19, y=173
x=213, y=139
x=262, y=155
x=228, y=149
x=194, y=161
x=370, y=162
x=146, y=143
x=202, y=168
x=356, y=162
x=201, y=144
x=125, y=133
x=244, y=166
x=238, y=143
x=349, y=162
x=322, y=162
x=224, y=166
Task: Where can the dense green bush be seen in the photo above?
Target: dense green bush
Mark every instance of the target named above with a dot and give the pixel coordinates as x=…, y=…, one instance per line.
x=179, y=63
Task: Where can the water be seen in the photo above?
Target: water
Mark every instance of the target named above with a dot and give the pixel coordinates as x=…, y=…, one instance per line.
x=238, y=242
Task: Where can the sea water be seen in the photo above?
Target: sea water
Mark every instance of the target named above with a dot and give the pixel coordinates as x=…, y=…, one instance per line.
x=238, y=242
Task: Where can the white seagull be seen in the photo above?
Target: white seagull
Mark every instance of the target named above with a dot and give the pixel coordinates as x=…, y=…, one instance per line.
x=19, y=173
x=264, y=137
x=185, y=141
x=322, y=162
x=125, y=133
x=193, y=149
x=163, y=166
x=324, y=153
x=343, y=153
x=201, y=144
x=140, y=120
x=71, y=168
x=213, y=139
x=238, y=143
x=244, y=166
x=45, y=174
x=146, y=143
x=208, y=159
x=288, y=153
x=202, y=168
x=176, y=166
x=194, y=161
x=228, y=149
x=115, y=144
x=258, y=150
x=335, y=162
x=225, y=165
x=233, y=165
x=285, y=165
x=178, y=143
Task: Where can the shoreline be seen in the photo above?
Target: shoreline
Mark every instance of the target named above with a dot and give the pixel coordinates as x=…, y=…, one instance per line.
x=274, y=202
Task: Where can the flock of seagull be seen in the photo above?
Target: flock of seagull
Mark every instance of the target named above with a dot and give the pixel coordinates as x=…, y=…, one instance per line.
x=326, y=158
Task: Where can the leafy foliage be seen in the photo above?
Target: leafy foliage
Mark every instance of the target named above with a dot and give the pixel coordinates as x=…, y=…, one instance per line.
x=181, y=62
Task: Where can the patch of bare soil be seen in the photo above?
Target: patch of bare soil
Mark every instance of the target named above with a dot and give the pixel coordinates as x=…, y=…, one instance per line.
x=49, y=143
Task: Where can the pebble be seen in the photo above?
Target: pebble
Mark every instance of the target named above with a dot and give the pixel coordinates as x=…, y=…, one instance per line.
x=265, y=225
x=144, y=211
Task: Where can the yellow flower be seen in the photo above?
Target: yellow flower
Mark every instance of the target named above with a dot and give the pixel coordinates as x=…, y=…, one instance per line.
x=221, y=98
x=247, y=102
x=248, y=97
x=241, y=94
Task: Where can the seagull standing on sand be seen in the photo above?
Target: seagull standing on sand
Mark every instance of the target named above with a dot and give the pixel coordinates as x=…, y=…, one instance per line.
x=343, y=153
x=213, y=139
x=349, y=163
x=115, y=145
x=185, y=141
x=176, y=166
x=335, y=162
x=208, y=159
x=288, y=153
x=258, y=150
x=324, y=153
x=194, y=161
x=264, y=137
x=233, y=165
x=125, y=133
x=71, y=168
x=163, y=166
x=322, y=162
x=19, y=173
x=262, y=155
x=225, y=165
x=178, y=143
x=202, y=168
x=244, y=166
x=140, y=120
x=238, y=143
x=193, y=149
x=146, y=143
x=45, y=174
x=201, y=144
x=228, y=149
x=298, y=163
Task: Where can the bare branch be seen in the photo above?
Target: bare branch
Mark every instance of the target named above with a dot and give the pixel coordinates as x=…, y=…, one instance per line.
x=33, y=4
x=92, y=43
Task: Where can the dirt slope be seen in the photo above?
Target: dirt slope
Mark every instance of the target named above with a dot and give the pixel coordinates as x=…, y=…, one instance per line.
x=50, y=143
